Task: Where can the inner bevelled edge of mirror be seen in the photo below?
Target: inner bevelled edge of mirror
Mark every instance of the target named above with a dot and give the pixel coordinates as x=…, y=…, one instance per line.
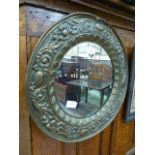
x=98, y=60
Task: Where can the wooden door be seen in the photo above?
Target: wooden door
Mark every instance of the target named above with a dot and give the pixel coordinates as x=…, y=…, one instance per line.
x=118, y=137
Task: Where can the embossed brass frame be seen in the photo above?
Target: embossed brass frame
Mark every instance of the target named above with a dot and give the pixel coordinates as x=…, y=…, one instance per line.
x=52, y=46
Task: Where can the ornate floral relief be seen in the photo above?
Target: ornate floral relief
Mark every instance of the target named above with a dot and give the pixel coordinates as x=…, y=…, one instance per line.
x=41, y=72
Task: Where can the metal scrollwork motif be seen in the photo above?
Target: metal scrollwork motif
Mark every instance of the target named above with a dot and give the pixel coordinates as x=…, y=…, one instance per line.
x=42, y=101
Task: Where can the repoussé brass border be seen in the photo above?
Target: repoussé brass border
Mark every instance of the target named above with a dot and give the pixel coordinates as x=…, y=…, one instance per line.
x=52, y=46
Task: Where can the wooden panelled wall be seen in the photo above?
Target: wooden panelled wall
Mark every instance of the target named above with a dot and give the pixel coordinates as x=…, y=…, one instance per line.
x=118, y=137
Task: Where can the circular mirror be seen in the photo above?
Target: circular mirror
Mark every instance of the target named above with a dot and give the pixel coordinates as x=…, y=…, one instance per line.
x=83, y=80
x=77, y=78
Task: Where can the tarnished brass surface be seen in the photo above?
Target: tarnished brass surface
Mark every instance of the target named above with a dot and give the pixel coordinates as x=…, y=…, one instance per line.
x=52, y=46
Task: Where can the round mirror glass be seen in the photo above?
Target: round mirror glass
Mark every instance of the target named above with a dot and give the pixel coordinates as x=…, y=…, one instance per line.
x=83, y=80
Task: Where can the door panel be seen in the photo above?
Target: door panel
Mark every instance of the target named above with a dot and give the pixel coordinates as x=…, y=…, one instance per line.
x=116, y=139
x=24, y=124
x=90, y=146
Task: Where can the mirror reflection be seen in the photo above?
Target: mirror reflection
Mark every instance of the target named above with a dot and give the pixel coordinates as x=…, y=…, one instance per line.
x=83, y=80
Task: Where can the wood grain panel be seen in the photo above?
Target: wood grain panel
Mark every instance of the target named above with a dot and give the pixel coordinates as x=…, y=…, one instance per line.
x=66, y=6
x=105, y=144
x=22, y=22
x=127, y=37
x=90, y=146
x=42, y=144
x=113, y=4
x=131, y=136
x=124, y=13
x=39, y=20
x=124, y=9
x=69, y=149
x=122, y=134
x=31, y=43
x=24, y=126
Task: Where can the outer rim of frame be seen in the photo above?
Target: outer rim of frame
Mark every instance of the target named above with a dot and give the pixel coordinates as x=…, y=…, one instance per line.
x=30, y=65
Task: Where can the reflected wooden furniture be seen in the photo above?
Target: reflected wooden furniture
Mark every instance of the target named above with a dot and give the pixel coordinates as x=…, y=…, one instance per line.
x=99, y=66
x=66, y=92
x=91, y=84
x=61, y=91
x=100, y=71
x=70, y=71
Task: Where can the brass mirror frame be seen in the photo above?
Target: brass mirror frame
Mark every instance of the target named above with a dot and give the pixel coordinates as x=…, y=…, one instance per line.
x=52, y=46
